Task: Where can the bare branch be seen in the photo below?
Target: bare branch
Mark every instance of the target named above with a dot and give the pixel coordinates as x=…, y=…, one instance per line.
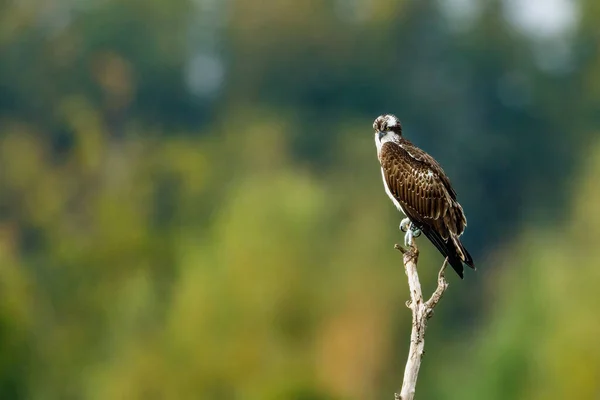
x=398, y=247
x=421, y=312
x=441, y=288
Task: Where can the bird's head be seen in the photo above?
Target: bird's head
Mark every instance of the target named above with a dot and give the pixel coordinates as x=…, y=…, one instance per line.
x=388, y=127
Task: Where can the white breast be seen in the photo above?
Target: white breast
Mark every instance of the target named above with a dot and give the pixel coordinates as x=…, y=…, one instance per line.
x=390, y=195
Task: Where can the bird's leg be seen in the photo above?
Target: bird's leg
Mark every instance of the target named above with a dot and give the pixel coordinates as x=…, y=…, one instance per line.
x=408, y=237
x=404, y=224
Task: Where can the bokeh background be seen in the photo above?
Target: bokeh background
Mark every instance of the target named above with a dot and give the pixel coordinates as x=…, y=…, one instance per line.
x=191, y=205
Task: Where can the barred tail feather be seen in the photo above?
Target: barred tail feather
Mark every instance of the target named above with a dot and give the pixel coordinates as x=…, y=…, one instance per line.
x=462, y=252
x=451, y=248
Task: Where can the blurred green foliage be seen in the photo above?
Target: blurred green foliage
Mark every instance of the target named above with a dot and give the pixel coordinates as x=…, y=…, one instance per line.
x=191, y=206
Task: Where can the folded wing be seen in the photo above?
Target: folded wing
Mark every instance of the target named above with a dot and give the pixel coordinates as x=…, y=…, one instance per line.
x=427, y=198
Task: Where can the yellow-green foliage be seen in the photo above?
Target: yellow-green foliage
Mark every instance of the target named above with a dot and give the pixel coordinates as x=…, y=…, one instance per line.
x=289, y=287
x=288, y=284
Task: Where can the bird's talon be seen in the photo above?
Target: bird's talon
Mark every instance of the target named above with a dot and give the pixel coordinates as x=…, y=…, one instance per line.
x=404, y=225
x=415, y=230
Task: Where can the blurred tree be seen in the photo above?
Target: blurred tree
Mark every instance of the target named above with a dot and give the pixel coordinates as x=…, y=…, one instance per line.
x=190, y=203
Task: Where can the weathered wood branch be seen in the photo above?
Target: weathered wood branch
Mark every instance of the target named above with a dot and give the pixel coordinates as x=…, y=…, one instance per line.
x=421, y=312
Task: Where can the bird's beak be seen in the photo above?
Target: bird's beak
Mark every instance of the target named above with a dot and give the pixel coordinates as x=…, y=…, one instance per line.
x=380, y=134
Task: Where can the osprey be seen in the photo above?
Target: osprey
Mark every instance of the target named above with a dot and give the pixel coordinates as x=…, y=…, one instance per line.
x=420, y=189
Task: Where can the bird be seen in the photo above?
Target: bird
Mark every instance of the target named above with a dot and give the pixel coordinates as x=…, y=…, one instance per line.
x=420, y=189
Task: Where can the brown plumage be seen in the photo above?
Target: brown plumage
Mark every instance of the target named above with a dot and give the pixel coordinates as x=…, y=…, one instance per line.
x=420, y=189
